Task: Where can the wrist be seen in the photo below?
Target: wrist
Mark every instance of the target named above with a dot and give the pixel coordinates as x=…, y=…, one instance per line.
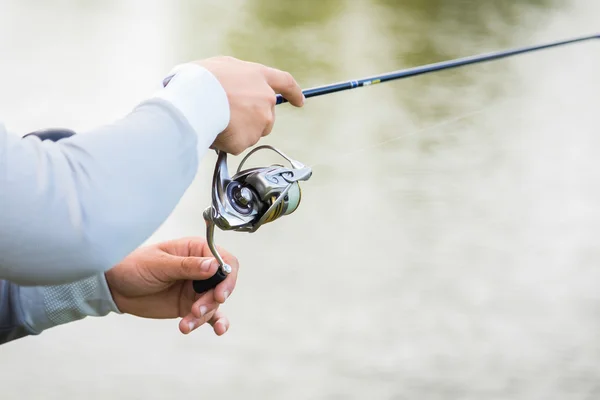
x=117, y=299
x=199, y=97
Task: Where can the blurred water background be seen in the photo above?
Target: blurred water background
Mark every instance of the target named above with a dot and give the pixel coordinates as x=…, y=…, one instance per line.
x=447, y=245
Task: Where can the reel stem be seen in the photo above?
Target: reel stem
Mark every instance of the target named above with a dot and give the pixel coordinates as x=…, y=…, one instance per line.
x=210, y=239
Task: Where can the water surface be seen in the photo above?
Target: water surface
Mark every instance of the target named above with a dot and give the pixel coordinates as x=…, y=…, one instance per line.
x=445, y=248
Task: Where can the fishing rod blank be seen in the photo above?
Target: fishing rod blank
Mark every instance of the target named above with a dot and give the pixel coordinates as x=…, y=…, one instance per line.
x=459, y=62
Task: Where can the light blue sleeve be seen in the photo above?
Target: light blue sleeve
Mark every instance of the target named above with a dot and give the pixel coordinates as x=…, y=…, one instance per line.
x=72, y=209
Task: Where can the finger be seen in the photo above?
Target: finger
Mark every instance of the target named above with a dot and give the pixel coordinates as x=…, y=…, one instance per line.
x=188, y=297
x=177, y=268
x=270, y=124
x=184, y=247
x=224, y=289
x=196, y=245
x=190, y=323
x=219, y=322
x=205, y=304
x=190, y=301
x=285, y=84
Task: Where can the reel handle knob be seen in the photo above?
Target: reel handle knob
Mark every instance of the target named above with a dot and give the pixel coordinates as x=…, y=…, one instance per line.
x=201, y=286
x=212, y=282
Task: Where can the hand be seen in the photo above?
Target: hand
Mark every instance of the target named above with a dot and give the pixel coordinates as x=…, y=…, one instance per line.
x=251, y=90
x=156, y=282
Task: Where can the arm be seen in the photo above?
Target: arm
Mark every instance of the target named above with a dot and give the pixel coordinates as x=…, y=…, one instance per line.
x=29, y=310
x=153, y=282
x=73, y=209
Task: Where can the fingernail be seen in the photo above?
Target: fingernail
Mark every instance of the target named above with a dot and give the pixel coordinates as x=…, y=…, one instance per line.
x=206, y=264
x=303, y=98
x=191, y=325
x=225, y=294
x=203, y=310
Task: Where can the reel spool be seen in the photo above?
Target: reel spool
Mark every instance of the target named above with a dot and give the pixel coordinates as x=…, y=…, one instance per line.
x=248, y=200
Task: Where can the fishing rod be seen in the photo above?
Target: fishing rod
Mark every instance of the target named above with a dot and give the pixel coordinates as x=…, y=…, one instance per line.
x=440, y=66
x=251, y=198
x=257, y=196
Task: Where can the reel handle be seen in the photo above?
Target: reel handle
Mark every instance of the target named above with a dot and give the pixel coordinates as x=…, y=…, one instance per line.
x=201, y=286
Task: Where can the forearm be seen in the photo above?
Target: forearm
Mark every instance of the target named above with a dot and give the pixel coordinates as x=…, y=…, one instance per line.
x=30, y=310
x=75, y=208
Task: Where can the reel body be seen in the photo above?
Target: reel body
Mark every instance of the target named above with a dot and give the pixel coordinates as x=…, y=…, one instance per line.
x=249, y=199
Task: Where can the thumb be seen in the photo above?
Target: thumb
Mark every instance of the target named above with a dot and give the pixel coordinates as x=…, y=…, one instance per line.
x=190, y=268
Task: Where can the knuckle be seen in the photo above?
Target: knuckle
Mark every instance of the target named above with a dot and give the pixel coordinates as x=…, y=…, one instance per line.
x=269, y=117
x=230, y=258
x=288, y=80
x=271, y=99
x=237, y=149
x=185, y=265
x=252, y=140
x=232, y=145
x=258, y=106
x=263, y=69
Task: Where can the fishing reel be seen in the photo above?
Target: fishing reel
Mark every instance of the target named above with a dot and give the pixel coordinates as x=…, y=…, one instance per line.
x=248, y=200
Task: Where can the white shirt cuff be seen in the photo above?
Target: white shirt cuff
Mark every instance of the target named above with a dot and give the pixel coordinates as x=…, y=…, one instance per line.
x=200, y=98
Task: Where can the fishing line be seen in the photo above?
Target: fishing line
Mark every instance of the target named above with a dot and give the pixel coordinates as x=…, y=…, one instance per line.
x=402, y=136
